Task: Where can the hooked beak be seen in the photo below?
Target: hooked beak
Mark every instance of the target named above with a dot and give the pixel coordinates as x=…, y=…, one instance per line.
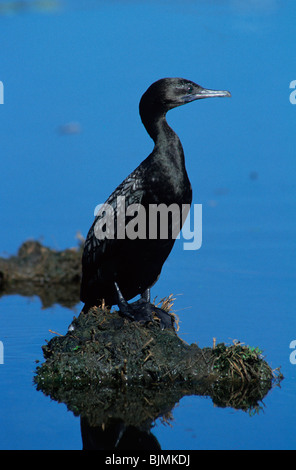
x=204, y=93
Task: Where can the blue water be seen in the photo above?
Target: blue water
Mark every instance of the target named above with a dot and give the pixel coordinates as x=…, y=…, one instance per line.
x=88, y=63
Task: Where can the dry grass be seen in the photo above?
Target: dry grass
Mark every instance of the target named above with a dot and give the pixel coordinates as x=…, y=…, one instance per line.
x=239, y=361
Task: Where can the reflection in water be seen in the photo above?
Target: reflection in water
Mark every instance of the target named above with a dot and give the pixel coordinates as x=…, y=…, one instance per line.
x=66, y=295
x=122, y=418
x=116, y=435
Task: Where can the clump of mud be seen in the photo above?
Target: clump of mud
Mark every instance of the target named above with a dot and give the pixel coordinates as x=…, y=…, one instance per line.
x=103, y=347
x=52, y=275
x=109, y=368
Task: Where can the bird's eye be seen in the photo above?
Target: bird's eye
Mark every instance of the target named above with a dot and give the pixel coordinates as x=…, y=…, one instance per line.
x=190, y=88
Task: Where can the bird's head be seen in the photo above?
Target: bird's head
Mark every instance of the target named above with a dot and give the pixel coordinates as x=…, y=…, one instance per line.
x=168, y=93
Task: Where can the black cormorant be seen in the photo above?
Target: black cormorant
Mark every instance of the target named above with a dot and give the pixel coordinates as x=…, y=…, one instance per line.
x=117, y=267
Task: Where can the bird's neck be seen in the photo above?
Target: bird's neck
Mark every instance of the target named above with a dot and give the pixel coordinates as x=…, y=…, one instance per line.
x=167, y=143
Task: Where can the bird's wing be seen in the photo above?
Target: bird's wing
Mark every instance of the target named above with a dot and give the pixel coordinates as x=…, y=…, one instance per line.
x=104, y=230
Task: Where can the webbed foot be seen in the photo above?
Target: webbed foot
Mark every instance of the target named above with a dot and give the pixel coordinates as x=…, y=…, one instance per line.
x=142, y=310
x=166, y=320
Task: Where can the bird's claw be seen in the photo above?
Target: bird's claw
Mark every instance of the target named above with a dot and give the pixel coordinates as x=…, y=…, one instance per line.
x=142, y=311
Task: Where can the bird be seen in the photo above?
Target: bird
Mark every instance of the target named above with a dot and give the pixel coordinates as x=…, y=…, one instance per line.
x=116, y=267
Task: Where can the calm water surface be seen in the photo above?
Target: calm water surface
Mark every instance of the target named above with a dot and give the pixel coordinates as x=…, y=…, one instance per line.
x=70, y=132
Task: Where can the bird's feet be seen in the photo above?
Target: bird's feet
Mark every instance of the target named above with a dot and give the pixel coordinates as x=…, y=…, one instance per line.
x=143, y=311
x=166, y=320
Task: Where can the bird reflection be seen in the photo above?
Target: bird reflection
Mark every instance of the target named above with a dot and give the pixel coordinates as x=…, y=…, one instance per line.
x=116, y=436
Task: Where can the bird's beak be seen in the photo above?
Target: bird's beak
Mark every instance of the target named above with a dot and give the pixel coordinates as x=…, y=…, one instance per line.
x=204, y=93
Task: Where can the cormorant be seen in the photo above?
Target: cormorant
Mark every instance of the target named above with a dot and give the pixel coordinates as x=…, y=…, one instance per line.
x=115, y=267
